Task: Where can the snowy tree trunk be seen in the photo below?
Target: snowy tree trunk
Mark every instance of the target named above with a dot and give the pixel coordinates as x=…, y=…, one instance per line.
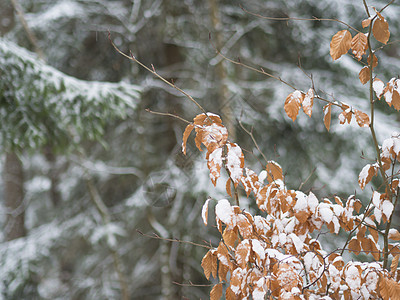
x=13, y=197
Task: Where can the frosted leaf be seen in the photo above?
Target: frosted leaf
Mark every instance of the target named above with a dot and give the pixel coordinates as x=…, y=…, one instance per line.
x=378, y=86
x=234, y=162
x=262, y=176
x=325, y=212
x=312, y=202
x=377, y=214
x=204, y=211
x=301, y=203
x=353, y=278
x=258, y=248
x=298, y=244
x=224, y=211
x=387, y=208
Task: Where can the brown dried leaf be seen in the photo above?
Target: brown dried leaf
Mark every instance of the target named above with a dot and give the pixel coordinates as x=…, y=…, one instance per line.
x=206, y=264
x=364, y=75
x=359, y=44
x=366, y=175
x=354, y=246
x=394, y=264
x=186, y=134
x=374, y=60
x=346, y=114
x=292, y=104
x=214, y=163
x=204, y=212
x=340, y=44
x=327, y=115
x=366, y=22
x=396, y=100
x=380, y=30
x=216, y=292
x=230, y=236
x=361, y=118
x=244, y=226
x=242, y=253
x=274, y=171
x=394, y=234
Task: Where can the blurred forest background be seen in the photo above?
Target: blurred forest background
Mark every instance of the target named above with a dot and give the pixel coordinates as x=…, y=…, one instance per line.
x=85, y=166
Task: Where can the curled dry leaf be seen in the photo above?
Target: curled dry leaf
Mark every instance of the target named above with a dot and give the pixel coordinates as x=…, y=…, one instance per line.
x=216, y=292
x=346, y=114
x=204, y=211
x=380, y=29
x=292, y=104
x=364, y=75
x=359, y=44
x=274, y=171
x=327, y=115
x=366, y=22
x=340, y=44
x=361, y=118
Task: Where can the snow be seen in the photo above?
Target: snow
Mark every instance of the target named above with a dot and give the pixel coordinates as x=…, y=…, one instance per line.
x=387, y=208
x=325, y=212
x=261, y=177
x=353, y=278
x=258, y=248
x=224, y=211
x=378, y=86
x=301, y=203
x=298, y=244
x=233, y=162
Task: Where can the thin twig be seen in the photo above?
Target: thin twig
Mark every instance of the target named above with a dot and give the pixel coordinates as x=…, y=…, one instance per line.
x=153, y=71
x=157, y=237
x=168, y=114
x=297, y=19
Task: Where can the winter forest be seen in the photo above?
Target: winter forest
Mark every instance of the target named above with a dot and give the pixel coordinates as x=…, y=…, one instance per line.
x=199, y=149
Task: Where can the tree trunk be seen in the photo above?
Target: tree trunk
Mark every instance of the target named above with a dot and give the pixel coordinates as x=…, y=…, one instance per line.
x=14, y=197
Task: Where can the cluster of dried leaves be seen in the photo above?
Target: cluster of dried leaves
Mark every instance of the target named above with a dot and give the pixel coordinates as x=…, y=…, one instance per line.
x=273, y=255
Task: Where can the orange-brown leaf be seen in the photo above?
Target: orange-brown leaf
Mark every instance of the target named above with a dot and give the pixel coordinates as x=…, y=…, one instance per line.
x=245, y=227
x=364, y=75
x=394, y=264
x=214, y=163
x=346, y=114
x=274, y=171
x=354, y=246
x=366, y=175
x=361, y=118
x=366, y=22
x=380, y=30
x=230, y=236
x=374, y=60
x=394, y=234
x=228, y=187
x=292, y=104
x=396, y=100
x=327, y=115
x=186, y=134
x=242, y=253
x=204, y=211
x=308, y=102
x=216, y=292
x=206, y=264
x=340, y=44
x=359, y=44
